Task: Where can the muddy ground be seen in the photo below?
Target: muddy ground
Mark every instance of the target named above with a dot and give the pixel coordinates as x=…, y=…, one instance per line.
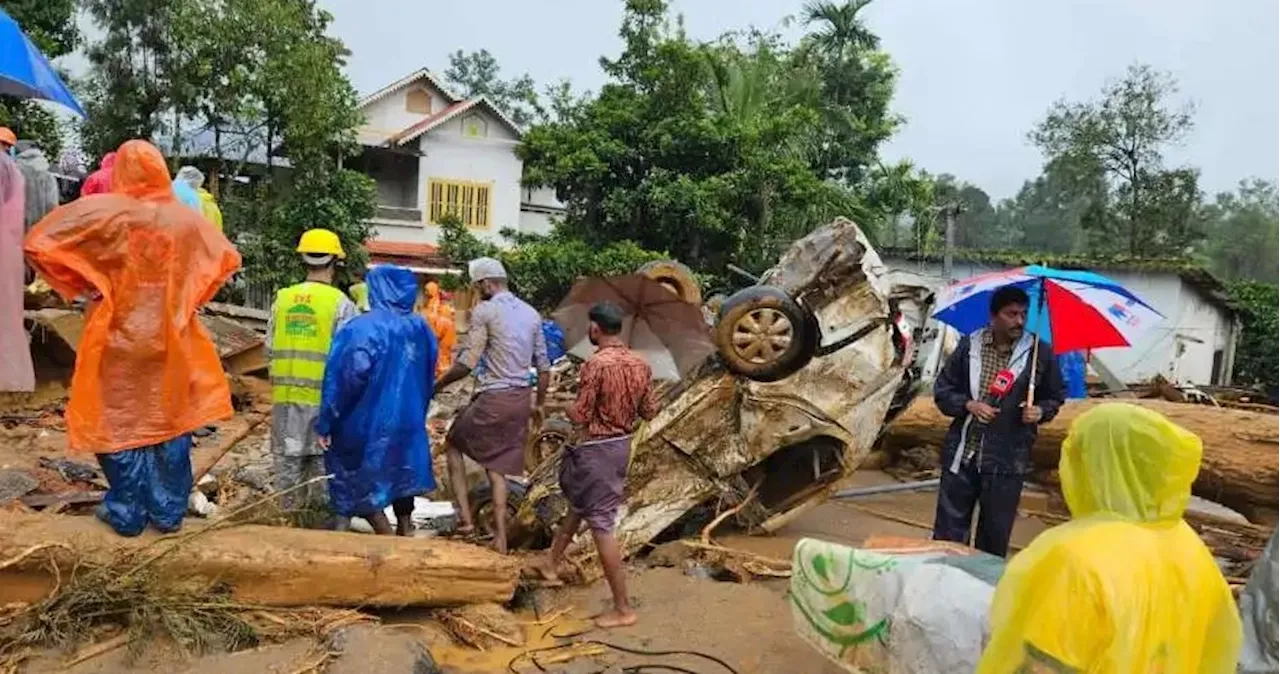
x=746, y=625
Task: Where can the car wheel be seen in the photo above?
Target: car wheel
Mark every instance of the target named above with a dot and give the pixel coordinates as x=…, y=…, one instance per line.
x=765, y=335
x=482, y=510
x=678, y=278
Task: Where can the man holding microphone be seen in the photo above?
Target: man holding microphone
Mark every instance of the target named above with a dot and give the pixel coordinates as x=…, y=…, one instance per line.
x=987, y=452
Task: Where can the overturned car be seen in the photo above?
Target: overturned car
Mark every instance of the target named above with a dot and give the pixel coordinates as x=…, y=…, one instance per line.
x=811, y=362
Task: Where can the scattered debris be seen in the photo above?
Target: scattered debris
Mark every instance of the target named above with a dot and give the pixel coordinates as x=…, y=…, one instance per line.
x=15, y=483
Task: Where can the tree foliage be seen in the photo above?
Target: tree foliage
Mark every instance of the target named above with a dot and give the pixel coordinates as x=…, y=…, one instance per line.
x=723, y=151
x=1243, y=228
x=52, y=28
x=1256, y=362
x=1122, y=136
x=477, y=74
x=543, y=268
x=263, y=72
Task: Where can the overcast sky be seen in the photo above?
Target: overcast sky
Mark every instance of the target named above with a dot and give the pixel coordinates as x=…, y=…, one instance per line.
x=975, y=75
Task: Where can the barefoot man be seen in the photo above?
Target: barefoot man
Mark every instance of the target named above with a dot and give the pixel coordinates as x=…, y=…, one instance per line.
x=507, y=334
x=615, y=391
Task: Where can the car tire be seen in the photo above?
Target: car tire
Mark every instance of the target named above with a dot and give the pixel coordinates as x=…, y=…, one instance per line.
x=481, y=498
x=676, y=277
x=765, y=335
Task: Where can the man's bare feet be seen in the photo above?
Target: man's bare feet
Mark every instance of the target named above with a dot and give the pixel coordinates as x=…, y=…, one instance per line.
x=547, y=573
x=616, y=618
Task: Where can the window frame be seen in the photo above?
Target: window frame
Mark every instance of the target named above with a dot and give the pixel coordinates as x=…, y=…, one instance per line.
x=474, y=199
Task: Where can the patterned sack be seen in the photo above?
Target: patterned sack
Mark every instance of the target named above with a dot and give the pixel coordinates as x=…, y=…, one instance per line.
x=908, y=608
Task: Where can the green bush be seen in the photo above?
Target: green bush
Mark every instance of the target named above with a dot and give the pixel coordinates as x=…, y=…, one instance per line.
x=543, y=269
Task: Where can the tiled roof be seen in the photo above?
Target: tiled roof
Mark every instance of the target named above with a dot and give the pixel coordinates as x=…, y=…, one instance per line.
x=412, y=77
x=401, y=249
x=421, y=127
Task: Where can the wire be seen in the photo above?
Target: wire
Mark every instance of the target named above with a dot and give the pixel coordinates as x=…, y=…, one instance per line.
x=632, y=669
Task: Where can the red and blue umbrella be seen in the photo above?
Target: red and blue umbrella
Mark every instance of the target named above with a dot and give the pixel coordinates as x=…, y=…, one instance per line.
x=1072, y=310
x=25, y=72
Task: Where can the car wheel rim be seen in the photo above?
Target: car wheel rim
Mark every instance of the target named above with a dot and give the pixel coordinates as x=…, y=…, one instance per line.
x=762, y=335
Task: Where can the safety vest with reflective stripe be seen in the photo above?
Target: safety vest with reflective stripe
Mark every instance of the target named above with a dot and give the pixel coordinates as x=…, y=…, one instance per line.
x=303, y=332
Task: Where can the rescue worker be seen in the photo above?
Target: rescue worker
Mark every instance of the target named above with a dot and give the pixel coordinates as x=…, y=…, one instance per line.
x=7, y=139
x=304, y=319
x=440, y=317
x=1126, y=586
x=208, y=205
x=146, y=373
x=359, y=292
x=373, y=416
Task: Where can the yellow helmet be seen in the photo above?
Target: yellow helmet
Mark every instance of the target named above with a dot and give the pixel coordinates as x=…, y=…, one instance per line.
x=321, y=242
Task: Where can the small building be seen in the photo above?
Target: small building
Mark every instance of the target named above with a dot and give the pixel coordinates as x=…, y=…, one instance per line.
x=433, y=153
x=1196, y=343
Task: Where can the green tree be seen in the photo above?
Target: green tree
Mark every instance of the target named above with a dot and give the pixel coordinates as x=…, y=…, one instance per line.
x=857, y=85
x=715, y=152
x=478, y=74
x=52, y=28
x=1242, y=230
x=977, y=224
x=544, y=268
x=1049, y=213
x=1256, y=362
x=1123, y=136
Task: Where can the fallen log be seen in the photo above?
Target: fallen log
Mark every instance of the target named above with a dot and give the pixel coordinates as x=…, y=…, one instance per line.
x=1240, y=468
x=262, y=565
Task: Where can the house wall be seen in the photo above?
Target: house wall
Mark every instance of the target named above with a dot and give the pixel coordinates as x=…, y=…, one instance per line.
x=387, y=116
x=539, y=209
x=1188, y=314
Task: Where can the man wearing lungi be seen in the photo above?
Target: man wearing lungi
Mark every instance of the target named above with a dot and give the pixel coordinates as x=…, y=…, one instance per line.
x=615, y=391
x=507, y=333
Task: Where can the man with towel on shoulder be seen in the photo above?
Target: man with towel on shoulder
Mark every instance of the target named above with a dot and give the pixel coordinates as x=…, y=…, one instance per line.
x=507, y=333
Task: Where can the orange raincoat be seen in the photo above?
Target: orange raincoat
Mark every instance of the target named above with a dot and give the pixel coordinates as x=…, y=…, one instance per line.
x=440, y=317
x=146, y=369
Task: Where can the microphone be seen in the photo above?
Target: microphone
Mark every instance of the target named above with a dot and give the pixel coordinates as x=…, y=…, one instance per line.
x=1001, y=385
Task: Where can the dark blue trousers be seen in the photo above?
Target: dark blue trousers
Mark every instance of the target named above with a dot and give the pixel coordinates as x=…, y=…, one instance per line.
x=147, y=485
x=996, y=494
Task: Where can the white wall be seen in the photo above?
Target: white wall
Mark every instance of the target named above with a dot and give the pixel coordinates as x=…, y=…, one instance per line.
x=387, y=116
x=1187, y=313
x=447, y=153
x=539, y=209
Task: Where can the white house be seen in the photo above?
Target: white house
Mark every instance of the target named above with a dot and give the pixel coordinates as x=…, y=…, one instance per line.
x=433, y=153
x=1195, y=344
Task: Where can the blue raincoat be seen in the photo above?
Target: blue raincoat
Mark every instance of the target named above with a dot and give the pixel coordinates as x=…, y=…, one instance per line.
x=187, y=195
x=378, y=382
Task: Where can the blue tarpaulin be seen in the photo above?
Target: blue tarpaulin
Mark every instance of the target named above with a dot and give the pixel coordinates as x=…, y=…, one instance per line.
x=378, y=382
x=24, y=70
x=1073, y=369
x=147, y=485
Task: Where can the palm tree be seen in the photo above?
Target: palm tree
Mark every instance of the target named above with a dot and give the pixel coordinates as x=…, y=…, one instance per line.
x=841, y=28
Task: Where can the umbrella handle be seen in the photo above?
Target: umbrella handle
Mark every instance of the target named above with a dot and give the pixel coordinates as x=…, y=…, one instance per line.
x=1035, y=349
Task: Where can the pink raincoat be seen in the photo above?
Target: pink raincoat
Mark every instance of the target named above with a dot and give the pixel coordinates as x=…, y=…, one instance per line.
x=16, y=373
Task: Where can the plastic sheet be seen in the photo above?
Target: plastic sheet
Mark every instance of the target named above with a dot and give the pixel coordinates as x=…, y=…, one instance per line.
x=16, y=373
x=99, y=181
x=41, y=186
x=377, y=383
x=554, y=337
x=909, y=611
x=1074, y=369
x=148, y=485
x=1072, y=603
x=146, y=369
x=1258, y=610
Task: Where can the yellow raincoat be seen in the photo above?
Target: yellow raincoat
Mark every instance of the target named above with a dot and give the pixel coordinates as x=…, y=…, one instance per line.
x=1126, y=587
